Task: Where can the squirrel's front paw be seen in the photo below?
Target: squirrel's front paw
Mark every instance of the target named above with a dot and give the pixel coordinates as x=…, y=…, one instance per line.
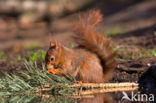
x=53, y=70
x=79, y=82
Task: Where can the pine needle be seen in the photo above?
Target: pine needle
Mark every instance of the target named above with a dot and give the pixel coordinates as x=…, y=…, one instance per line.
x=35, y=80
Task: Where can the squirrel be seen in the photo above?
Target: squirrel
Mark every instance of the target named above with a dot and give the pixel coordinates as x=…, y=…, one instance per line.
x=92, y=61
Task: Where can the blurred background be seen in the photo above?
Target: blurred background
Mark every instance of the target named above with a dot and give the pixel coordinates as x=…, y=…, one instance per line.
x=37, y=20
x=28, y=26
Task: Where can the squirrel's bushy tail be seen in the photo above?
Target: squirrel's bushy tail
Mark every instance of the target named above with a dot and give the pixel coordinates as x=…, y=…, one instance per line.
x=86, y=37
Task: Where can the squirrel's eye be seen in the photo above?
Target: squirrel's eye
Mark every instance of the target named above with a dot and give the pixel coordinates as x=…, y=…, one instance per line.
x=52, y=58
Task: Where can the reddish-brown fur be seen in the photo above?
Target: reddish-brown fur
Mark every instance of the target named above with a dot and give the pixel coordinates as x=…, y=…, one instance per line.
x=93, y=60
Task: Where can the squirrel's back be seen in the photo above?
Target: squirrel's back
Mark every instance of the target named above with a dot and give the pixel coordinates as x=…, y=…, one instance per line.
x=99, y=44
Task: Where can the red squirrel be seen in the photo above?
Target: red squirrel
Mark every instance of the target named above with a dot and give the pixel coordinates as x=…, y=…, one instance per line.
x=92, y=61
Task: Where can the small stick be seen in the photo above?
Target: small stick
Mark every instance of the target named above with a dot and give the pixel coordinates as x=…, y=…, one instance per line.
x=94, y=88
x=108, y=90
x=96, y=85
x=104, y=85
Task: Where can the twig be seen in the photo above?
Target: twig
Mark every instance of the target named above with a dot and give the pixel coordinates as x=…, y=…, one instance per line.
x=93, y=88
x=104, y=85
x=94, y=91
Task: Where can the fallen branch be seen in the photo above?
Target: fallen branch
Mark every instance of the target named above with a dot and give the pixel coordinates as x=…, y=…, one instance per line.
x=93, y=88
x=96, y=88
x=108, y=90
x=104, y=85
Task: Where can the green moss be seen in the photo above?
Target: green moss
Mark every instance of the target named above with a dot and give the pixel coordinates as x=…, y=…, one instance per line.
x=145, y=53
x=115, y=31
x=42, y=54
x=33, y=56
x=153, y=52
x=2, y=54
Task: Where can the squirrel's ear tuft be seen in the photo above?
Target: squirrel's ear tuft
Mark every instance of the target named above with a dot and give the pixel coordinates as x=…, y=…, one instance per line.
x=52, y=44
